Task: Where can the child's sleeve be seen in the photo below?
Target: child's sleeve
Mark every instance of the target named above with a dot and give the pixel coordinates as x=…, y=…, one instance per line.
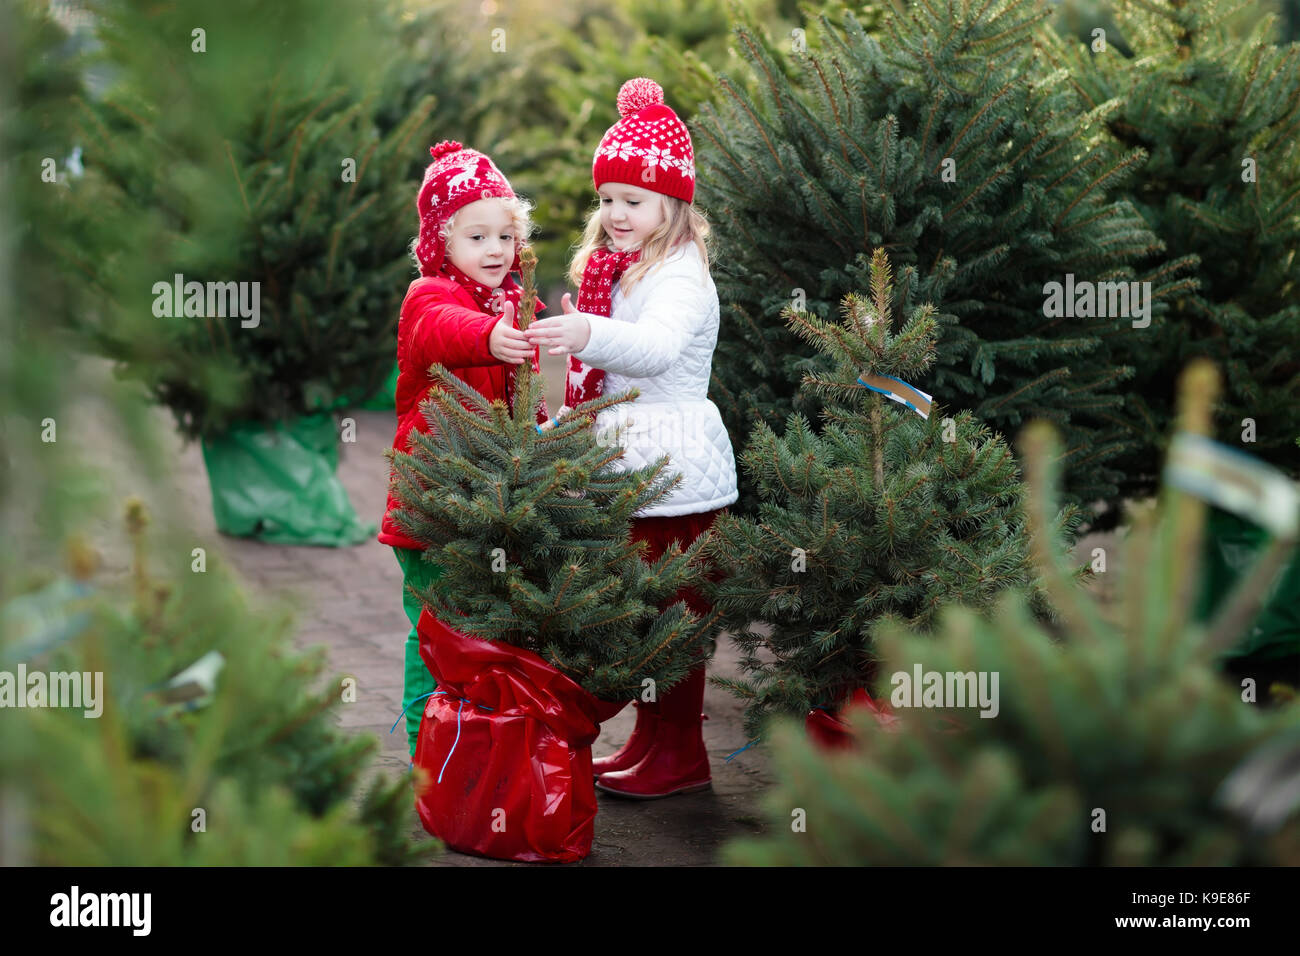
x=447, y=332
x=651, y=345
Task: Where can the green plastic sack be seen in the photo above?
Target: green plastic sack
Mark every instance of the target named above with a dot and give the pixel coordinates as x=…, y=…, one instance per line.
x=1231, y=546
x=385, y=399
x=277, y=483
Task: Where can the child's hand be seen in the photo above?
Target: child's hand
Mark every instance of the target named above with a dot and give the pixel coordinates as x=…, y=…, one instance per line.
x=564, y=333
x=506, y=343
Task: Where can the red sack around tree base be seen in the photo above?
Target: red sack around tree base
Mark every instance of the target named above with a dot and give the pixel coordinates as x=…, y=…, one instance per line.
x=831, y=730
x=506, y=744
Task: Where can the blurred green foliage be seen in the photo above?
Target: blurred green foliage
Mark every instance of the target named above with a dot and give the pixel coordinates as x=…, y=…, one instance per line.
x=239, y=156
x=1109, y=745
x=278, y=782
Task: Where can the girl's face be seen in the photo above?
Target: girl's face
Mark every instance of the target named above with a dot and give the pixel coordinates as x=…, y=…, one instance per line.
x=629, y=214
x=482, y=244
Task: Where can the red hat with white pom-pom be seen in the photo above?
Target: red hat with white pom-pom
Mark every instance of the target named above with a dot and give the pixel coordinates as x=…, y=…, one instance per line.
x=649, y=147
x=456, y=177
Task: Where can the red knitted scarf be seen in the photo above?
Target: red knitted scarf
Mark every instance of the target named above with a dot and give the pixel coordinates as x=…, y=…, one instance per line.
x=603, y=269
x=488, y=300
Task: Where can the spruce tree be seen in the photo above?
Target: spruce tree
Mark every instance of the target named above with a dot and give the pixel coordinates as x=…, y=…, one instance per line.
x=1218, y=112
x=532, y=528
x=224, y=159
x=944, y=141
x=885, y=515
x=557, y=96
x=428, y=53
x=1114, y=741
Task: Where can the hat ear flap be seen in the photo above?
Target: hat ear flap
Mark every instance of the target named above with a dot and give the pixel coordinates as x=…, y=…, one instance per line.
x=430, y=248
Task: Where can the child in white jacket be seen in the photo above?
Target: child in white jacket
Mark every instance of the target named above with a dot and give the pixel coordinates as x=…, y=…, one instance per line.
x=647, y=317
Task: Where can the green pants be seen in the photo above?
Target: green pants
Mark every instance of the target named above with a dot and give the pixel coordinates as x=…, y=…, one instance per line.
x=417, y=573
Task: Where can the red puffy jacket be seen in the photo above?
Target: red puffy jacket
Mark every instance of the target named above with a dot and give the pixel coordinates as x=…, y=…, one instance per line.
x=440, y=322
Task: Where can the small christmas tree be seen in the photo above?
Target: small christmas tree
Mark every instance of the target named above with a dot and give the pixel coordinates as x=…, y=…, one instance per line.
x=241, y=230
x=943, y=140
x=531, y=527
x=885, y=515
x=1115, y=746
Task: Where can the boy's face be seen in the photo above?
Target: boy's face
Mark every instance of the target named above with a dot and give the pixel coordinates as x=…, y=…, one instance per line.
x=629, y=214
x=483, y=243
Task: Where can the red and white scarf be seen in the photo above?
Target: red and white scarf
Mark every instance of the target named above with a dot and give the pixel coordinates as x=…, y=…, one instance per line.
x=492, y=302
x=603, y=269
x=488, y=300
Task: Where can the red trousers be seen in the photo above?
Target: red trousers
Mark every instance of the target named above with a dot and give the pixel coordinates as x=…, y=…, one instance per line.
x=659, y=533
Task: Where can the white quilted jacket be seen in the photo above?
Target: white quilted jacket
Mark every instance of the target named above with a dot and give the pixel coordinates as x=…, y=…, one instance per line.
x=660, y=339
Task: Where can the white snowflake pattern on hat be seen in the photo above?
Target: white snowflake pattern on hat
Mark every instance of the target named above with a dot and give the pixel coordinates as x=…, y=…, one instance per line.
x=663, y=158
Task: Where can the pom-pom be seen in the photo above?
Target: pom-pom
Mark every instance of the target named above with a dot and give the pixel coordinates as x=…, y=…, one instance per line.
x=445, y=147
x=637, y=94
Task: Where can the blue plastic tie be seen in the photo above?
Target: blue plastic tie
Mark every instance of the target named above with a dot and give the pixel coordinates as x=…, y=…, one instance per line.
x=408, y=707
x=463, y=702
x=454, y=742
x=742, y=749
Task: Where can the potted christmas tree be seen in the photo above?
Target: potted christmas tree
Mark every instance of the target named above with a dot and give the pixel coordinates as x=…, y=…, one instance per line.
x=544, y=608
x=259, y=256
x=893, y=511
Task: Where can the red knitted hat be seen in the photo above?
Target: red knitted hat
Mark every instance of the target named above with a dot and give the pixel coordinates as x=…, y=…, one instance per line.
x=456, y=177
x=649, y=147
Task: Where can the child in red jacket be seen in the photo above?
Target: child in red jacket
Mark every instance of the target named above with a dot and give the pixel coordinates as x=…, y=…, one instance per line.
x=460, y=313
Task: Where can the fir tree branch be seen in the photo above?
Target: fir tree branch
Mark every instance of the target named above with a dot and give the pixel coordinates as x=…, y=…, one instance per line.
x=1120, y=169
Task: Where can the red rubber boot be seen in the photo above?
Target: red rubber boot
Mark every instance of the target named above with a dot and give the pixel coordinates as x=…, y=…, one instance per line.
x=676, y=761
x=630, y=754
